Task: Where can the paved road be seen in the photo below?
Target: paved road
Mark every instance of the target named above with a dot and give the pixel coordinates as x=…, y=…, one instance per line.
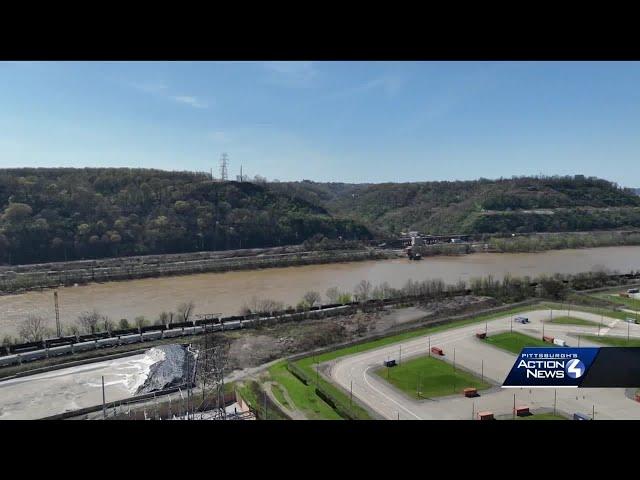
x=482, y=358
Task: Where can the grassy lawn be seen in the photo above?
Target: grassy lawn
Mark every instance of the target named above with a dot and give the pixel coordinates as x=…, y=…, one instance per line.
x=613, y=341
x=303, y=396
x=515, y=342
x=279, y=394
x=307, y=363
x=628, y=302
x=581, y=308
x=543, y=416
x=574, y=321
x=428, y=377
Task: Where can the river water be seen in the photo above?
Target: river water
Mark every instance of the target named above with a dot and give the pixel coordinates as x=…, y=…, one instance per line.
x=225, y=293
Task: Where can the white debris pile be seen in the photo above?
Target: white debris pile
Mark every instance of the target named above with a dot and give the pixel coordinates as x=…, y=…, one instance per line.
x=169, y=368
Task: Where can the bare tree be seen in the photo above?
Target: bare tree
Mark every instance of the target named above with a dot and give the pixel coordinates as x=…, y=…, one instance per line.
x=333, y=294
x=88, y=321
x=311, y=298
x=261, y=305
x=72, y=329
x=185, y=310
x=107, y=324
x=32, y=329
x=140, y=321
x=163, y=318
x=362, y=290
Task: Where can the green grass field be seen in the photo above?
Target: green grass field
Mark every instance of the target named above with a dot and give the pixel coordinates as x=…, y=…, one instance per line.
x=307, y=363
x=613, y=341
x=303, y=396
x=279, y=394
x=543, y=416
x=582, y=308
x=514, y=342
x=575, y=321
x=614, y=297
x=428, y=377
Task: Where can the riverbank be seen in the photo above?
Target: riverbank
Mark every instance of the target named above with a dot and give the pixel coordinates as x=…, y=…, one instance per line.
x=23, y=278
x=228, y=293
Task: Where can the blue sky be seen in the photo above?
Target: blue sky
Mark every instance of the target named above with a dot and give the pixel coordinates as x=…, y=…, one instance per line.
x=327, y=121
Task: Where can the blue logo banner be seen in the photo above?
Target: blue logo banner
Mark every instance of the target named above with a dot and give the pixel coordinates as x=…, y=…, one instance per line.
x=551, y=367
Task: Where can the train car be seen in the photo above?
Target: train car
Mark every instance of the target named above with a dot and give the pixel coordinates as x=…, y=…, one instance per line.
x=198, y=330
x=232, y=325
x=34, y=355
x=181, y=324
x=174, y=332
x=93, y=336
x=26, y=347
x=61, y=350
x=214, y=328
x=8, y=360
x=153, y=328
x=84, y=346
x=125, y=331
x=148, y=336
x=56, y=342
x=107, y=342
x=189, y=330
x=127, y=339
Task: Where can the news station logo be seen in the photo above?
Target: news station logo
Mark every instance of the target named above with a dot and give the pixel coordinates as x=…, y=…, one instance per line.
x=575, y=368
x=550, y=367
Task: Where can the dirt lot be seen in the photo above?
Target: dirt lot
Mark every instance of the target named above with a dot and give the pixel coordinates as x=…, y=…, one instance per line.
x=251, y=348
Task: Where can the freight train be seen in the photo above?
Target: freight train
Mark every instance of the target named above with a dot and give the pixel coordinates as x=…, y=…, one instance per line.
x=54, y=347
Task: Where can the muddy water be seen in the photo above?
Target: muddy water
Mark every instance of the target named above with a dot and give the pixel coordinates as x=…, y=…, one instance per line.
x=225, y=293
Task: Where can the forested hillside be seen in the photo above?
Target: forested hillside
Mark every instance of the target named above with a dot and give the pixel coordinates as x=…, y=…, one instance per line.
x=58, y=214
x=67, y=214
x=523, y=204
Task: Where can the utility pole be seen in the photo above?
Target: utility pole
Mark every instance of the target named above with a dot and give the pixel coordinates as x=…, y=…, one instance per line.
x=482, y=370
x=593, y=413
x=400, y=356
x=555, y=399
x=514, y=406
x=511, y=323
x=429, y=346
x=104, y=407
x=57, y=309
x=351, y=394
x=265, y=404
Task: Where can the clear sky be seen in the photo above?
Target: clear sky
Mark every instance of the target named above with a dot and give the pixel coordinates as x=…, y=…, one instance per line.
x=327, y=121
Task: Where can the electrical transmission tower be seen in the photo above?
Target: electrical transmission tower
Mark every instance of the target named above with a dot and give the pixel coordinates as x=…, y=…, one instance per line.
x=210, y=376
x=224, y=165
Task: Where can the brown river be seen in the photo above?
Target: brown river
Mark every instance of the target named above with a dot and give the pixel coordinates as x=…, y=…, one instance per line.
x=225, y=293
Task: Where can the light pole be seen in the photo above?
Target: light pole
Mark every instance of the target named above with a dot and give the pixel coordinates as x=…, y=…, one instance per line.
x=351, y=394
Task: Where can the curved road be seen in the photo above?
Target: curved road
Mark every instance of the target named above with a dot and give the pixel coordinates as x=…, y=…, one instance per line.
x=477, y=356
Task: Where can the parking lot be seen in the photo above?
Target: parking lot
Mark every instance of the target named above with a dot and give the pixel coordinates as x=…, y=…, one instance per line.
x=482, y=359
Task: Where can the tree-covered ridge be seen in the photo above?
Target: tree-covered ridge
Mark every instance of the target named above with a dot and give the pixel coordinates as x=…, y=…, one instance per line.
x=58, y=214
x=467, y=206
